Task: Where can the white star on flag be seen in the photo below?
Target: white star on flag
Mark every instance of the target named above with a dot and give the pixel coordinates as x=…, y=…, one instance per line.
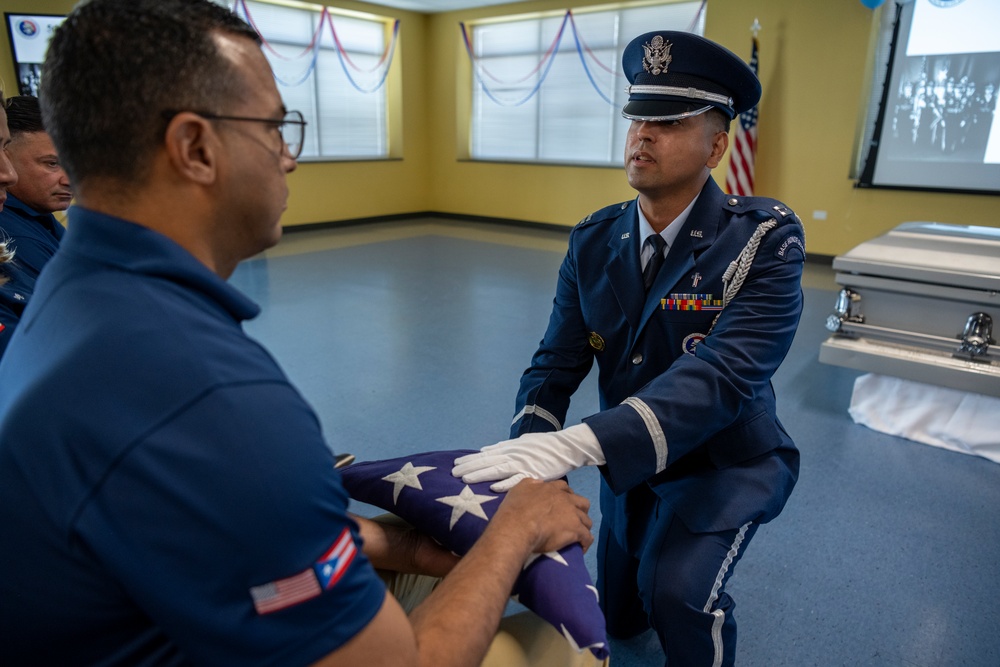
x=554, y=555
x=557, y=588
x=466, y=502
x=408, y=475
x=574, y=645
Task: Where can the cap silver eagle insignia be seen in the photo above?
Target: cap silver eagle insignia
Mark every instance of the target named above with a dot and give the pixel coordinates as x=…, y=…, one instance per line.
x=657, y=55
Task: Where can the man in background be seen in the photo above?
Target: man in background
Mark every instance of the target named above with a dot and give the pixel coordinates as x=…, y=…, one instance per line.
x=14, y=287
x=42, y=188
x=181, y=505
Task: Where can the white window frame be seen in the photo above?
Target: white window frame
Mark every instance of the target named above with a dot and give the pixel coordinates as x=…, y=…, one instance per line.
x=345, y=101
x=575, y=115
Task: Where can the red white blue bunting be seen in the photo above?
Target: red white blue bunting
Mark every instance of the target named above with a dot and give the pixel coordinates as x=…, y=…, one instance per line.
x=381, y=68
x=584, y=52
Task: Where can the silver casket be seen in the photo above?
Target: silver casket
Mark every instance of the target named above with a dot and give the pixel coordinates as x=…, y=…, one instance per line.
x=920, y=303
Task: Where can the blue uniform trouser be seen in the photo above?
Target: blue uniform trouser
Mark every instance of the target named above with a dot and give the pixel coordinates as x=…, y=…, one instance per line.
x=673, y=581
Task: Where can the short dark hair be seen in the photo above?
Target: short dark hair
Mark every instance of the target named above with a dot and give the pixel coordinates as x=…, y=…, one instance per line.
x=721, y=118
x=114, y=66
x=23, y=115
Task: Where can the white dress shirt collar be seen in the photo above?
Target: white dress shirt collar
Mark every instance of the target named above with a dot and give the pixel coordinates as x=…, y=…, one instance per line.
x=669, y=233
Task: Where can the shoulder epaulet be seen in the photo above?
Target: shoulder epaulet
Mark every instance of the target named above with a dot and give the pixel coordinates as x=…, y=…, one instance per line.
x=789, y=236
x=605, y=213
x=759, y=208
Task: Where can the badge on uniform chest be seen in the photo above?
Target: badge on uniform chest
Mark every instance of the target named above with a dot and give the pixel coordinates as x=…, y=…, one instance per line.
x=691, y=341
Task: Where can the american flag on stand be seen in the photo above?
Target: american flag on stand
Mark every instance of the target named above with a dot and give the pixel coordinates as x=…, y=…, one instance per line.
x=739, y=180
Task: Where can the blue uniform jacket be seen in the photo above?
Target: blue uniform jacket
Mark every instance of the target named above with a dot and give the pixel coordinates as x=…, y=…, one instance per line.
x=692, y=416
x=15, y=290
x=35, y=236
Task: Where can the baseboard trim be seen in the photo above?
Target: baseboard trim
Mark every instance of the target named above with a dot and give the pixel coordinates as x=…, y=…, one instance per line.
x=811, y=258
x=403, y=217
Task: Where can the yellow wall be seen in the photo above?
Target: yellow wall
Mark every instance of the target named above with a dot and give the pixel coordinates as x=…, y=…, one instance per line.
x=322, y=192
x=813, y=56
x=814, y=60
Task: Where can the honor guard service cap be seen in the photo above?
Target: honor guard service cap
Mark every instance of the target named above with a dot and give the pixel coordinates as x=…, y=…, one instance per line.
x=673, y=75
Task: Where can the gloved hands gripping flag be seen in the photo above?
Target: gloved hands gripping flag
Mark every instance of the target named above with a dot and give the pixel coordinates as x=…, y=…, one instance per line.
x=421, y=490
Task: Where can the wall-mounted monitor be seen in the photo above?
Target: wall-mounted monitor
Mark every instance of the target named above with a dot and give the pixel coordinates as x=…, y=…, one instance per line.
x=29, y=38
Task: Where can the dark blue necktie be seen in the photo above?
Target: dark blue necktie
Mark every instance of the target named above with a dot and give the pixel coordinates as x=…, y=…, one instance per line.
x=655, y=261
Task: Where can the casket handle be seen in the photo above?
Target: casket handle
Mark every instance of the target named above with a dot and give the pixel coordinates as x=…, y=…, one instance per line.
x=977, y=336
x=847, y=309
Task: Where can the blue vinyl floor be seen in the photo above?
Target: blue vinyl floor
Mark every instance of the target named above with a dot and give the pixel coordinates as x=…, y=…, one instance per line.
x=411, y=336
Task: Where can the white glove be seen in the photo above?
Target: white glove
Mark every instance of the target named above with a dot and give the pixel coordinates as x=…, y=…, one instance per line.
x=544, y=456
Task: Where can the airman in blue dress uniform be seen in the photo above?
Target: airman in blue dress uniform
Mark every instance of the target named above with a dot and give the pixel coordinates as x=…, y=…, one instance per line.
x=692, y=455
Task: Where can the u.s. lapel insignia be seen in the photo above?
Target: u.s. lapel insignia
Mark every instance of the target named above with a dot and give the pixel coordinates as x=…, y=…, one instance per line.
x=697, y=233
x=596, y=341
x=657, y=56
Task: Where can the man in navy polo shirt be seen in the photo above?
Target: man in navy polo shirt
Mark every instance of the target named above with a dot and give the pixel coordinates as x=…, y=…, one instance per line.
x=167, y=496
x=14, y=286
x=42, y=188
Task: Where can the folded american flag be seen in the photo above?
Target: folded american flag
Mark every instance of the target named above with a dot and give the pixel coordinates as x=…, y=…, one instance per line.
x=421, y=490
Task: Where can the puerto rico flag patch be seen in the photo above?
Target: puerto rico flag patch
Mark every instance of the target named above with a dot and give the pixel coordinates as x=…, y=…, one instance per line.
x=323, y=575
x=332, y=565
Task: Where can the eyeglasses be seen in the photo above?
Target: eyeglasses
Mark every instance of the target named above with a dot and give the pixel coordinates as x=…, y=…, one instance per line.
x=292, y=127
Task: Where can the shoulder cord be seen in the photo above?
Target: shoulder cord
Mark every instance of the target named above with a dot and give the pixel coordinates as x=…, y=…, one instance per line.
x=734, y=276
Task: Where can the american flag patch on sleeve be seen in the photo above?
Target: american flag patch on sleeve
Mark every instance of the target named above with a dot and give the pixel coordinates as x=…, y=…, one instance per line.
x=290, y=591
x=285, y=592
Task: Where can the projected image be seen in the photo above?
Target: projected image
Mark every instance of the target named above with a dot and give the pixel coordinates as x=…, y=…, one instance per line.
x=937, y=126
x=944, y=108
x=29, y=78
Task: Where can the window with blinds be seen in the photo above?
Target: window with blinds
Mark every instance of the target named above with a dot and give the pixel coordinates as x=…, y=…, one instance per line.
x=337, y=84
x=550, y=88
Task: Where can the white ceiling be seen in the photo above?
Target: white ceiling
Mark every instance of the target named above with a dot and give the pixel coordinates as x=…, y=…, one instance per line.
x=436, y=6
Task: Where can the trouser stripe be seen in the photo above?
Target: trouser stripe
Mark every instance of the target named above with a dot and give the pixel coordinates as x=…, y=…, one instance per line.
x=720, y=615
